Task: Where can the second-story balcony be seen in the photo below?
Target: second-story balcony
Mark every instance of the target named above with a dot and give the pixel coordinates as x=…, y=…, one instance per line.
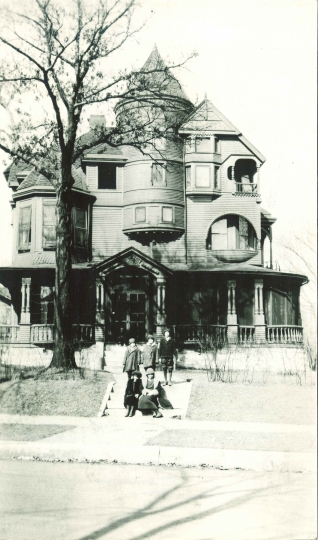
x=246, y=190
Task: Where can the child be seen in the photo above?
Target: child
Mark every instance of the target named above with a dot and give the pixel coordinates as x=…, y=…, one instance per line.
x=153, y=396
x=167, y=350
x=132, y=358
x=150, y=354
x=133, y=392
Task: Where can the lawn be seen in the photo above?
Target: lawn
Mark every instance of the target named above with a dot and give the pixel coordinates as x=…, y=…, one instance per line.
x=277, y=399
x=54, y=393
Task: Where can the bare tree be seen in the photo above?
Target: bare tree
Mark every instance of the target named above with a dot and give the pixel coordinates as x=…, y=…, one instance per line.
x=57, y=63
x=299, y=254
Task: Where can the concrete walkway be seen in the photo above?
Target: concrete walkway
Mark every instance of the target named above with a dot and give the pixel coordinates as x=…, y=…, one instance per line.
x=138, y=440
x=169, y=440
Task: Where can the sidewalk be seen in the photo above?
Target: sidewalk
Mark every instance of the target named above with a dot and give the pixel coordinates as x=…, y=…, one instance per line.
x=143, y=440
x=159, y=441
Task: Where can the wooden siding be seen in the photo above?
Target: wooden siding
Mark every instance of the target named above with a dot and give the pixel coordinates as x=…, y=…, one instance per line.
x=92, y=177
x=153, y=217
x=108, y=238
x=107, y=235
x=108, y=197
x=200, y=215
x=234, y=146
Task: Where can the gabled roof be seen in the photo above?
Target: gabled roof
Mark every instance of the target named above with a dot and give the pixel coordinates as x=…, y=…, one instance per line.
x=131, y=257
x=207, y=118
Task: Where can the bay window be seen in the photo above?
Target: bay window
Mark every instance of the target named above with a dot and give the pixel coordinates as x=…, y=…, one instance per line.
x=80, y=228
x=49, y=226
x=25, y=229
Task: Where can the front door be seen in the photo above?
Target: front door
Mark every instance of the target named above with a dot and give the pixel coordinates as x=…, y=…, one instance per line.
x=129, y=316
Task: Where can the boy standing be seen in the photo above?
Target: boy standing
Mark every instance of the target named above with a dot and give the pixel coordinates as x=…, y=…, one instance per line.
x=167, y=350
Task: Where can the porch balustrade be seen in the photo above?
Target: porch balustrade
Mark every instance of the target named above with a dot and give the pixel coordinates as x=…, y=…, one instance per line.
x=8, y=333
x=193, y=333
x=284, y=334
x=44, y=333
x=245, y=189
x=246, y=334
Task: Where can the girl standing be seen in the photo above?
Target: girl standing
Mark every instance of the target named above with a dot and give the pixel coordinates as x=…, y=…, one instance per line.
x=132, y=358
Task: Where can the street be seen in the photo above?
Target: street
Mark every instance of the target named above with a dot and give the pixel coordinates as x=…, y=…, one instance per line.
x=80, y=501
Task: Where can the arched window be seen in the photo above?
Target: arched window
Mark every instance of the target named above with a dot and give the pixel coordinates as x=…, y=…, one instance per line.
x=232, y=233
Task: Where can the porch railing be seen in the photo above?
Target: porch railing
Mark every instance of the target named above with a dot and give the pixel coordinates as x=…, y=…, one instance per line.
x=8, y=333
x=246, y=334
x=44, y=333
x=193, y=333
x=246, y=189
x=284, y=334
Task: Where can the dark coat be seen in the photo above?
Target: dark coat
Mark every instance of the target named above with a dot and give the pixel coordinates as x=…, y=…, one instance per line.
x=167, y=349
x=132, y=359
x=150, y=356
x=132, y=389
x=151, y=403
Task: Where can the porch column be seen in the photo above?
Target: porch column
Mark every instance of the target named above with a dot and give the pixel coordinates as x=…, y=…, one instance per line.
x=270, y=247
x=232, y=326
x=25, y=321
x=161, y=305
x=99, y=355
x=100, y=311
x=259, y=317
x=258, y=180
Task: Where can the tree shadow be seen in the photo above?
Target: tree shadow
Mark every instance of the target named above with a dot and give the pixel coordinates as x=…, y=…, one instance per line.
x=150, y=509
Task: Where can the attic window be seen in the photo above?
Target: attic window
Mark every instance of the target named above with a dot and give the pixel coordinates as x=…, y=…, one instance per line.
x=107, y=176
x=25, y=228
x=203, y=144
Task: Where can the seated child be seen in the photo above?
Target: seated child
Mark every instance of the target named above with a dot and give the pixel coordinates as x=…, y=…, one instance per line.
x=133, y=392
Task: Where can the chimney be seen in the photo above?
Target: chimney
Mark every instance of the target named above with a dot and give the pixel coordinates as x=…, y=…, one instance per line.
x=96, y=120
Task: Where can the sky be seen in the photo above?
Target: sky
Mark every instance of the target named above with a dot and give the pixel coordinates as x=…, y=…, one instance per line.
x=257, y=64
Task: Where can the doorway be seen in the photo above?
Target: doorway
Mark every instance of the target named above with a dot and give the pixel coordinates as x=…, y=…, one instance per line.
x=129, y=315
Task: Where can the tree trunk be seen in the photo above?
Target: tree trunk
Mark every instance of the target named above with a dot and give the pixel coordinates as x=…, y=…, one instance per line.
x=63, y=353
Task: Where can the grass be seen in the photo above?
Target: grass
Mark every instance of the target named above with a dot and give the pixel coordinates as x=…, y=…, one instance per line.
x=29, y=432
x=276, y=398
x=235, y=440
x=54, y=393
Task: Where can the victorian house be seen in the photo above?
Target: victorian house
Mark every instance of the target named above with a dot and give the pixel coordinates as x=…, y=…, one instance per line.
x=173, y=238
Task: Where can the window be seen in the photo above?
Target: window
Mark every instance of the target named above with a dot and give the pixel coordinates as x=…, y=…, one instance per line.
x=25, y=215
x=140, y=214
x=157, y=174
x=107, y=176
x=49, y=226
x=188, y=177
x=80, y=228
x=202, y=176
x=167, y=214
x=233, y=232
x=216, y=145
x=216, y=177
x=203, y=144
x=188, y=145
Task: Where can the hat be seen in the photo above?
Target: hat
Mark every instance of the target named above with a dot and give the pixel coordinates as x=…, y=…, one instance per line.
x=137, y=373
x=167, y=330
x=150, y=371
x=132, y=340
x=150, y=337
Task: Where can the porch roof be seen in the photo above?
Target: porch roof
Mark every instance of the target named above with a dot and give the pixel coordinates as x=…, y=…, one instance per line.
x=132, y=257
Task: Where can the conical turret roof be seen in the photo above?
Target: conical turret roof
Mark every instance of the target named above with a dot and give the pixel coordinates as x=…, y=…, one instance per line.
x=161, y=76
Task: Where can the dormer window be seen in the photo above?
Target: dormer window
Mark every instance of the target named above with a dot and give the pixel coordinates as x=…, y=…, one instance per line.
x=49, y=226
x=107, y=176
x=80, y=228
x=203, y=144
x=25, y=215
